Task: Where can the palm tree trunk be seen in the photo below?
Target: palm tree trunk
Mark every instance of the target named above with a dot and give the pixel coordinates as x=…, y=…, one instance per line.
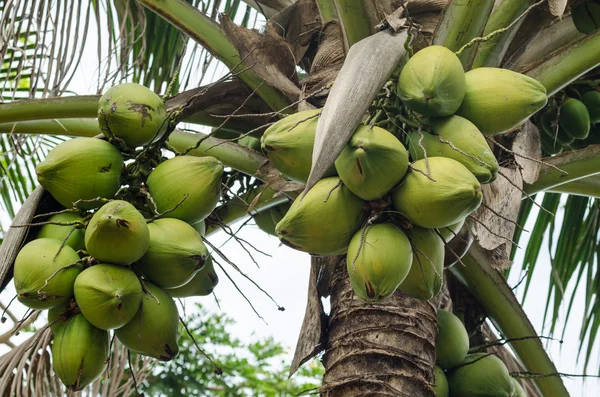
x=386, y=349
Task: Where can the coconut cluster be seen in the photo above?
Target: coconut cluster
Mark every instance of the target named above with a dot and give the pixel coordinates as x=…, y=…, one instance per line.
x=109, y=263
x=392, y=202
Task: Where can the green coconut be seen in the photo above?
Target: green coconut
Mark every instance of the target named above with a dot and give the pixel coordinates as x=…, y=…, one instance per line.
x=200, y=227
x=519, y=391
x=591, y=99
x=449, y=232
x=578, y=144
x=457, y=138
x=132, y=113
x=425, y=278
x=81, y=169
x=42, y=278
x=440, y=387
x=188, y=187
x=378, y=260
x=278, y=212
x=79, y=352
x=437, y=192
x=574, y=118
x=432, y=82
x=67, y=224
x=550, y=145
x=153, y=330
x=452, y=344
x=108, y=295
x=556, y=133
x=586, y=17
x=497, y=100
x=265, y=222
x=458, y=247
x=372, y=162
x=289, y=144
x=176, y=252
x=117, y=233
x=58, y=315
x=480, y=375
x=203, y=283
x=324, y=220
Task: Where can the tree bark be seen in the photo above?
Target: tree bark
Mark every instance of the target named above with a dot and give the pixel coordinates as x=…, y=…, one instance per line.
x=376, y=350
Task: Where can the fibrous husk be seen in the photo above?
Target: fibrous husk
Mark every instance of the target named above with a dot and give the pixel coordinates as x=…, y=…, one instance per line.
x=132, y=113
x=432, y=82
x=203, y=283
x=591, y=99
x=75, y=232
x=425, y=278
x=372, y=163
x=79, y=352
x=81, y=169
x=378, y=260
x=41, y=278
x=480, y=375
x=457, y=138
x=117, y=233
x=189, y=186
x=108, y=295
x=176, y=252
x=437, y=192
x=452, y=344
x=497, y=100
x=441, y=383
x=324, y=220
x=153, y=330
x=289, y=143
x=574, y=118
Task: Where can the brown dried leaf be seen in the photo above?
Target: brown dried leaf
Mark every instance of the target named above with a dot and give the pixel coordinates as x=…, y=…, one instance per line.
x=527, y=144
x=275, y=180
x=269, y=56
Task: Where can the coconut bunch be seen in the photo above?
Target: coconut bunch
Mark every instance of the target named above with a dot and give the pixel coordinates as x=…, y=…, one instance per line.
x=460, y=374
x=111, y=263
x=571, y=120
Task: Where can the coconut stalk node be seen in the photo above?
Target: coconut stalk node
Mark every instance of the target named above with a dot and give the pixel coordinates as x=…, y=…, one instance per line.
x=133, y=114
x=186, y=187
x=117, y=233
x=425, y=278
x=79, y=352
x=372, y=162
x=175, y=254
x=452, y=344
x=324, y=220
x=437, y=192
x=497, y=100
x=153, y=330
x=65, y=224
x=432, y=82
x=378, y=260
x=81, y=169
x=108, y=295
x=44, y=273
x=480, y=375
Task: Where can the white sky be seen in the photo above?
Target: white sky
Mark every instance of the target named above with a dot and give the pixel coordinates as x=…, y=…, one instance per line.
x=285, y=276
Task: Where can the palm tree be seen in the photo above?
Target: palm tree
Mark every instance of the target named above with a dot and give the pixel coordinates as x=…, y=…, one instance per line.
x=289, y=65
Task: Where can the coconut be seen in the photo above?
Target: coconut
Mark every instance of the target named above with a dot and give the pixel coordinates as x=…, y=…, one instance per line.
x=458, y=246
x=289, y=144
x=586, y=17
x=265, y=222
x=108, y=295
x=132, y=113
x=117, y=233
x=591, y=99
x=448, y=233
x=200, y=227
x=58, y=315
x=153, y=330
x=278, y=212
x=574, y=118
x=81, y=169
x=550, y=145
x=188, y=187
x=379, y=258
x=437, y=192
x=42, y=279
x=452, y=344
x=497, y=100
x=425, y=279
x=76, y=232
x=203, y=283
x=324, y=220
x=557, y=135
x=440, y=387
x=79, y=352
x=457, y=138
x=480, y=375
x=176, y=252
x=519, y=391
x=372, y=162
x=432, y=82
